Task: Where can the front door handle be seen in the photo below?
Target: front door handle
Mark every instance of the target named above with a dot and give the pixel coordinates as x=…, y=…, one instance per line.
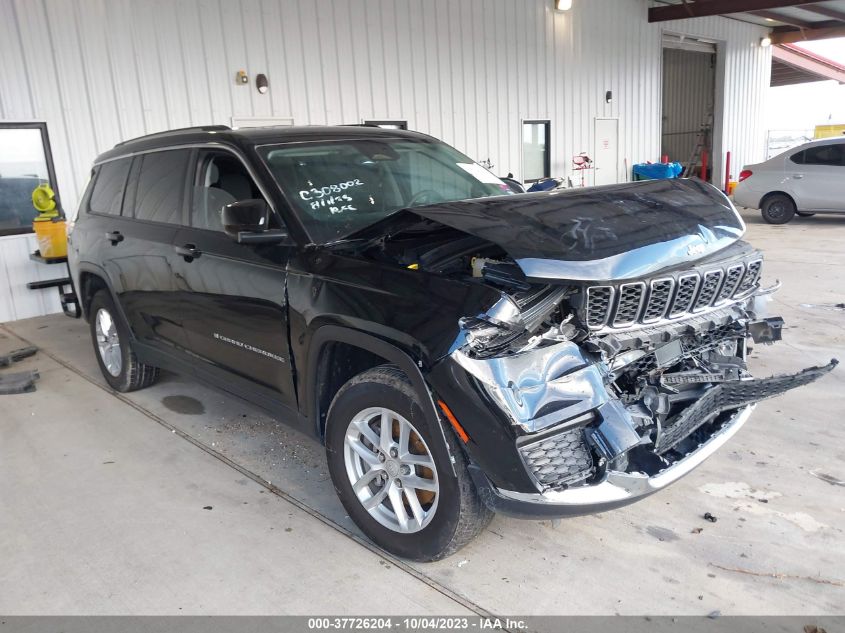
x=188, y=251
x=114, y=237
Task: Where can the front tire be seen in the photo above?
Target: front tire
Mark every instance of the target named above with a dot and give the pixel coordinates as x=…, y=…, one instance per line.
x=394, y=473
x=778, y=209
x=118, y=363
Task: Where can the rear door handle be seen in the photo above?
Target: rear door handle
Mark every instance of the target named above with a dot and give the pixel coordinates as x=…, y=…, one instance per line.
x=798, y=176
x=188, y=251
x=114, y=237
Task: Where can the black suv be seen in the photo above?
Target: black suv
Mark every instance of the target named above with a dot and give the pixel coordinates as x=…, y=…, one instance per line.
x=460, y=350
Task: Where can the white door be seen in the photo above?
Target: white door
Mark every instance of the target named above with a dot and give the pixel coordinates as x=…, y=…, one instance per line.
x=606, y=154
x=817, y=176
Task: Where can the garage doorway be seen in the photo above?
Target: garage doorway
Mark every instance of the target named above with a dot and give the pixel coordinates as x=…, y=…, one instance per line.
x=690, y=113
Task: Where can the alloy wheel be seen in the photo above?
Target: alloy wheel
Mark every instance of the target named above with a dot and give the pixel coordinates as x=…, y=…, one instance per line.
x=108, y=342
x=391, y=470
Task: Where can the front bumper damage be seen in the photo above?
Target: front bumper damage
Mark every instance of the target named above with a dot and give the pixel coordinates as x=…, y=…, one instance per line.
x=589, y=447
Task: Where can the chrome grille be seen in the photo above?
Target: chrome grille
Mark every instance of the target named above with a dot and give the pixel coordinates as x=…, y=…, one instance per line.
x=672, y=296
x=709, y=287
x=687, y=285
x=749, y=280
x=630, y=301
x=732, y=280
x=598, y=305
x=658, y=299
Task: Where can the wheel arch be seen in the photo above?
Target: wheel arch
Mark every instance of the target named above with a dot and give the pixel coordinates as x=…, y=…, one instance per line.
x=92, y=279
x=778, y=193
x=338, y=353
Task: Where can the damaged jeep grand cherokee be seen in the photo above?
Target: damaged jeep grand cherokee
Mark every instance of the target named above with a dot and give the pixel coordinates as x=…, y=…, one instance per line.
x=459, y=350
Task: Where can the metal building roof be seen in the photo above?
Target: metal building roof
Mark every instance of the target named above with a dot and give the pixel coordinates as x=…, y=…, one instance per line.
x=790, y=20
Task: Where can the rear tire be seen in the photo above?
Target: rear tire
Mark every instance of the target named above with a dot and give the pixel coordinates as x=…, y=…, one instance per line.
x=778, y=209
x=117, y=361
x=440, y=510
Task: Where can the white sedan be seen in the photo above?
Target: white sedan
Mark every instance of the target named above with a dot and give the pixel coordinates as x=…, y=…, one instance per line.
x=806, y=180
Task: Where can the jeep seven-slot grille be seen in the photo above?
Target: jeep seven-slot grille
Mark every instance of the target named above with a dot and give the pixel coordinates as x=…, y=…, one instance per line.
x=668, y=297
x=658, y=299
x=732, y=280
x=687, y=285
x=598, y=305
x=630, y=300
x=752, y=273
x=709, y=287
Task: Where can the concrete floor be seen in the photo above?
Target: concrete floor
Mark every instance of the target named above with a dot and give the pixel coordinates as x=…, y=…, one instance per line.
x=102, y=509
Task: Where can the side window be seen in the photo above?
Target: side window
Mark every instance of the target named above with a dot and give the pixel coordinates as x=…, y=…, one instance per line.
x=160, y=184
x=798, y=158
x=107, y=195
x=824, y=155
x=221, y=179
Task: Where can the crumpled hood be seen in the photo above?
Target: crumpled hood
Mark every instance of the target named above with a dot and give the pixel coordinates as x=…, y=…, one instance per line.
x=600, y=233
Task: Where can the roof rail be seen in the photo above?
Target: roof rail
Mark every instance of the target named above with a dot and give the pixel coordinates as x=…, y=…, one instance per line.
x=199, y=128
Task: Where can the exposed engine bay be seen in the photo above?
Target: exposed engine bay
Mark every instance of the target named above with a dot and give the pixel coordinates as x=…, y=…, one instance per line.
x=626, y=376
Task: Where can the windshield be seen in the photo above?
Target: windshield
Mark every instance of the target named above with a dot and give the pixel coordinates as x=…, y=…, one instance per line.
x=340, y=187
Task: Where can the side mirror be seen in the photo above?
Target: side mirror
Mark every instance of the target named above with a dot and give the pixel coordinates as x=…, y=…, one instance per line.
x=248, y=222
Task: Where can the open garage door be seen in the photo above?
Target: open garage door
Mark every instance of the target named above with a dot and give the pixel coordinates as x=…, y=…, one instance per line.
x=689, y=83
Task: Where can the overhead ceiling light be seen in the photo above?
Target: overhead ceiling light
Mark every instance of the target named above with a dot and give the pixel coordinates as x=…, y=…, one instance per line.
x=766, y=41
x=563, y=5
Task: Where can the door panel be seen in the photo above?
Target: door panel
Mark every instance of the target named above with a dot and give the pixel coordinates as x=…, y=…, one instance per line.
x=234, y=308
x=816, y=175
x=139, y=260
x=232, y=296
x=138, y=254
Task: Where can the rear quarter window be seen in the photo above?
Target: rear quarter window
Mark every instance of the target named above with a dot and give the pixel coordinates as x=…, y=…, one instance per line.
x=109, y=184
x=831, y=155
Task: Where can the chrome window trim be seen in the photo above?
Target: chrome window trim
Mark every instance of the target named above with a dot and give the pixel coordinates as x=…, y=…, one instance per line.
x=207, y=145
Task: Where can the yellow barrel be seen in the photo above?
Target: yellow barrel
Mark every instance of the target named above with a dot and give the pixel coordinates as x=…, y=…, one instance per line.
x=51, y=236
x=731, y=187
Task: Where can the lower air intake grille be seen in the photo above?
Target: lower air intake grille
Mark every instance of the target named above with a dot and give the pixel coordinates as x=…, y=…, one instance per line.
x=559, y=460
x=731, y=395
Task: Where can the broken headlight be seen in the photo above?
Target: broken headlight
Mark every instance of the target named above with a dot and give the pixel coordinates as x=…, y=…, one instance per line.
x=495, y=331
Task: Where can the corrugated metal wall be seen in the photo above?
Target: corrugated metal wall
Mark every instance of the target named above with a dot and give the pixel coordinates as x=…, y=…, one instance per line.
x=466, y=71
x=688, y=95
